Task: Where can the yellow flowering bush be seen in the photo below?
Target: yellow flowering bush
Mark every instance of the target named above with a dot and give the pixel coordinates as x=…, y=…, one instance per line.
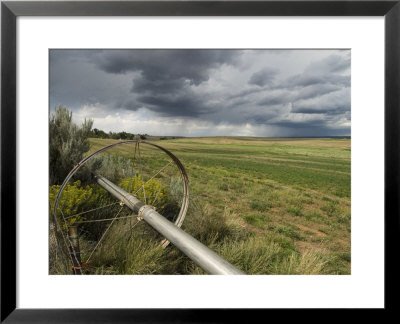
x=74, y=199
x=77, y=198
x=156, y=193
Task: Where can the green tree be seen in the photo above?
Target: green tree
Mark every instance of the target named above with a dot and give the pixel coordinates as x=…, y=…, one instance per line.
x=68, y=143
x=98, y=133
x=123, y=135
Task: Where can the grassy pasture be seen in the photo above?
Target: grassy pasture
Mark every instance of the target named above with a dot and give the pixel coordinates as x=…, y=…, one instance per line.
x=269, y=206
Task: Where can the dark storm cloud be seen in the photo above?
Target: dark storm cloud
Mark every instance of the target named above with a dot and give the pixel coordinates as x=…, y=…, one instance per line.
x=174, y=64
x=313, y=129
x=245, y=93
x=264, y=77
x=337, y=110
x=323, y=89
x=165, y=78
x=328, y=71
x=320, y=123
x=75, y=81
x=316, y=90
x=321, y=126
x=332, y=103
x=183, y=105
x=272, y=101
x=166, y=75
x=276, y=98
x=316, y=78
x=141, y=85
x=232, y=87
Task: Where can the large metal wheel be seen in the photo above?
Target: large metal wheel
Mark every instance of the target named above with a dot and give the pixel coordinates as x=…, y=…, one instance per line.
x=144, y=169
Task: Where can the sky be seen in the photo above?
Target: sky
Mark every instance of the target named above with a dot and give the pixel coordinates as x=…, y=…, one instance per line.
x=206, y=92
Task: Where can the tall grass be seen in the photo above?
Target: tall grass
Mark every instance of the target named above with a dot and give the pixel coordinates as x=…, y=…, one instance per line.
x=260, y=212
x=139, y=251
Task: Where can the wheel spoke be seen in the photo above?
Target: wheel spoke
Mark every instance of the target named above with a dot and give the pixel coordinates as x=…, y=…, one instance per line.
x=141, y=171
x=71, y=246
x=91, y=210
x=124, y=233
x=104, y=219
x=134, y=159
x=105, y=232
x=169, y=163
x=148, y=163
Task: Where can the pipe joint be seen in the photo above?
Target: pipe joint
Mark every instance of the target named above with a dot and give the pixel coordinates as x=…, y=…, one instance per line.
x=142, y=210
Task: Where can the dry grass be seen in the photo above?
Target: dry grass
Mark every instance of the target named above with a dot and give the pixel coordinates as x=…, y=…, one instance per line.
x=269, y=206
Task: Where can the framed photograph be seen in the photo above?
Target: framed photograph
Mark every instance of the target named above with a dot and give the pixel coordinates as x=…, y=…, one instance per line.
x=282, y=116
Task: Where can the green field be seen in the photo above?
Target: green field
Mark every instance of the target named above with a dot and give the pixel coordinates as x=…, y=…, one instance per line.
x=269, y=206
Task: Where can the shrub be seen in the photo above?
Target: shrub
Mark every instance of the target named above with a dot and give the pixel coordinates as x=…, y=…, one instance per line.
x=67, y=144
x=156, y=194
x=74, y=199
x=114, y=168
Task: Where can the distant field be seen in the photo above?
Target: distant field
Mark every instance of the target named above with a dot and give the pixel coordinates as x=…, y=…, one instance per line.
x=290, y=193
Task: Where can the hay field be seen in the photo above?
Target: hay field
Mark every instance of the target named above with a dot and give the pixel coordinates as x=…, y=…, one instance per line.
x=269, y=206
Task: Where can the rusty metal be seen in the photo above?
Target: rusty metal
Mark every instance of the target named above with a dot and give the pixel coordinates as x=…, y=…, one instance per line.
x=207, y=259
x=185, y=182
x=204, y=257
x=75, y=250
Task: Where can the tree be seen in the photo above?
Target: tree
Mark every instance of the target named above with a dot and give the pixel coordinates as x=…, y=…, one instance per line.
x=98, y=133
x=68, y=143
x=123, y=135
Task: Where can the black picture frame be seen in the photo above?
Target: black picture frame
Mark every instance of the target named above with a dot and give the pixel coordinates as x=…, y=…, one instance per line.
x=10, y=10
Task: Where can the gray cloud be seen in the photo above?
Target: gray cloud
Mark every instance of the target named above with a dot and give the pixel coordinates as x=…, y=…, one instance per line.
x=331, y=103
x=316, y=90
x=75, y=81
x=182, y=105
x=264, y=77
x=295, y=93
x=165, y=79
x=187, y=64
x=331, y=64
x=272, y=98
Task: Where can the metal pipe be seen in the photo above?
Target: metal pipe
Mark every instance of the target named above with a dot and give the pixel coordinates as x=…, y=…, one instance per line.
x=204, y=257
